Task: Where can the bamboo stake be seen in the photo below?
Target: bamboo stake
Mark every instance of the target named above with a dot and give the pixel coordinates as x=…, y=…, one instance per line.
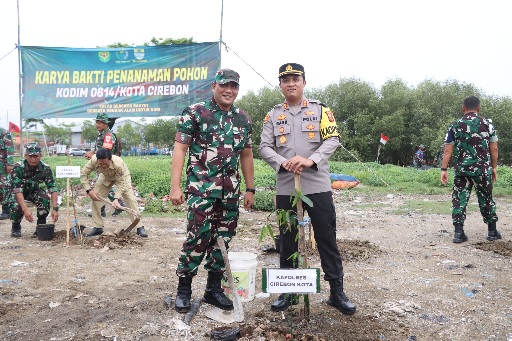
x=302, y=239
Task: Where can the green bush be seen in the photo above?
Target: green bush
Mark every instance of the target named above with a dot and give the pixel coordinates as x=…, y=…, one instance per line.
x=264, y=201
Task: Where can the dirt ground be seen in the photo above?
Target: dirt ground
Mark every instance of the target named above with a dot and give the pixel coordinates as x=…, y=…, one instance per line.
x=407, y=278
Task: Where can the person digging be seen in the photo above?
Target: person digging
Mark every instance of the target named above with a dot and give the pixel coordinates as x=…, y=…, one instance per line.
x=112, y=171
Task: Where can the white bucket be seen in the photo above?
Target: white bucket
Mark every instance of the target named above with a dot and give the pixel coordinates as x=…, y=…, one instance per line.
x=243, y=269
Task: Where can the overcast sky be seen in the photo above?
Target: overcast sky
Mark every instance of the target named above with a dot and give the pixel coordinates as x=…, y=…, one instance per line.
x=371, y=40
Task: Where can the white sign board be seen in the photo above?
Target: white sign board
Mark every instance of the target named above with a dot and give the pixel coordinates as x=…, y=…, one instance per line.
x=67, y=171
x=291, y=281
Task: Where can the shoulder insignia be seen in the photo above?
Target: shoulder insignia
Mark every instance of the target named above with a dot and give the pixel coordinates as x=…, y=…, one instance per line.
x=305, y=103
x=285, y=105
x=265, y=120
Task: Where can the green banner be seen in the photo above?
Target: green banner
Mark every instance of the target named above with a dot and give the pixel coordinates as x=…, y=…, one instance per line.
x=123, y=82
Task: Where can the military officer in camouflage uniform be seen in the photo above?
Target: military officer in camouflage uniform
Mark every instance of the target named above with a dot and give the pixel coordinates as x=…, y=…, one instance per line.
x=105, y=139
x=26, y=176
x=299, y=136
x=475, y=142
x=6, y=163
x=112, y=171
x=217, y=136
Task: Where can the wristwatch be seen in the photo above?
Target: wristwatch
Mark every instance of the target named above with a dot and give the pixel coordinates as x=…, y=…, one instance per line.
x=252, y=190
x=444, y=169
x=56, y=209
x=88, y=191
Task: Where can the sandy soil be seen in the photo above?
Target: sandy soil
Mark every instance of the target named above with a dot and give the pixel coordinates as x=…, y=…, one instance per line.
x=407, y=278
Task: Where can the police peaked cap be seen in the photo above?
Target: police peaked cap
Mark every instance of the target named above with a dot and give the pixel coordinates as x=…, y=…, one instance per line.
x=291, y=69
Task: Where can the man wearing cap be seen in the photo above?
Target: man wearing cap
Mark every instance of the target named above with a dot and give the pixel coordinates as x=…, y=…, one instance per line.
x=217, y=136
x=419, y=157
x=26, y=176
x=298, y=137
x=112, y=171
x=106, y=139
x=6, y=163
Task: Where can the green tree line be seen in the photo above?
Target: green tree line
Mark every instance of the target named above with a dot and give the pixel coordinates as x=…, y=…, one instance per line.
x=409, y=116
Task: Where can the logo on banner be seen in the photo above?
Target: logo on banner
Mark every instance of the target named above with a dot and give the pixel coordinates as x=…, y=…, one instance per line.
x=121, y=55
x=104, y=56
x=138, y=53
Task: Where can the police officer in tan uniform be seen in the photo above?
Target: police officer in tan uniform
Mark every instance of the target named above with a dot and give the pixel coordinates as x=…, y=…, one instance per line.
x=112, y=171
x=299, y=136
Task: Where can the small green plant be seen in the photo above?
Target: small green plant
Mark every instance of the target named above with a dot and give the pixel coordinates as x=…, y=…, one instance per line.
x=289, y=221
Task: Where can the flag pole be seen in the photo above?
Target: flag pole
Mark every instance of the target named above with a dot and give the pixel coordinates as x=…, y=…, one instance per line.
x=378, y=152
x=19, y=79
x=220, y=37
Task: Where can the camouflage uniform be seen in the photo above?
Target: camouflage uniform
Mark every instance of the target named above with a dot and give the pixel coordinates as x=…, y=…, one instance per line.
x=471, y=136
x=26, y=180
x=107, y=139
x=216, y=139
x=6, y=159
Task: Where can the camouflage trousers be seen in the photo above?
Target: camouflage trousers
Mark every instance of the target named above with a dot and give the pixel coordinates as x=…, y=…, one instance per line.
x=39, y=197
x=462, y=186
x=5, y=181
x=208, y=219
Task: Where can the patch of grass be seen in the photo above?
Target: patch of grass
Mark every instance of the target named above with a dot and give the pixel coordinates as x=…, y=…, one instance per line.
x=430, y=207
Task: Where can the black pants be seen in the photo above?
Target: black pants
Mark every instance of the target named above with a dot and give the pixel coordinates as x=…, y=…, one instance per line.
x=323, y=219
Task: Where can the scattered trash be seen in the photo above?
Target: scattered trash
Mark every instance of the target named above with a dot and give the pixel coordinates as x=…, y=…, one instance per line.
x=469, y=293
x=54, y=304
x=167, y=301
x=193, y=310
x=5, y=280
x=224, y=333
x=411, y=338
x=262, y=295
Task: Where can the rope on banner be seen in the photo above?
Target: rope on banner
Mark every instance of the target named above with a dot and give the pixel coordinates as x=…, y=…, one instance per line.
x=228, y=49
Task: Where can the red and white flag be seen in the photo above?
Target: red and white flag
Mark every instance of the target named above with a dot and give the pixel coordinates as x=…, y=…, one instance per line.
x=383, y=138
x=13, y=128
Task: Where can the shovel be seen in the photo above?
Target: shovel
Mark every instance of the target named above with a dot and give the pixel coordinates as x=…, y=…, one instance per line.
x=129, y=210
x=227, y=316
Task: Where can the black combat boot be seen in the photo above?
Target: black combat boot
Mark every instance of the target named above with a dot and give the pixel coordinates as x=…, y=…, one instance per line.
x=338, y=299
x=96, y=231
x=284, y=301
x=182, y=304
x=117, y=210
x=214, y=294
x=16, y=230
x=492, y=233
x=459, y=236
x=5, y=212
x=141, y=231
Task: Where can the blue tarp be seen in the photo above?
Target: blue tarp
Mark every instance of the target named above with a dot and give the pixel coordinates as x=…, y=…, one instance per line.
x=342, y=177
